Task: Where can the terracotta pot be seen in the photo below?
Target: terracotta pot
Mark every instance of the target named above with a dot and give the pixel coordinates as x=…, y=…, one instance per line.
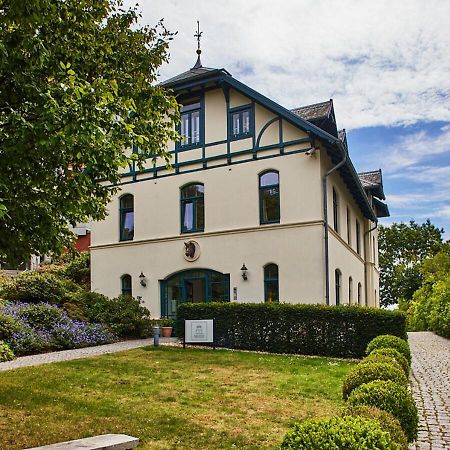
x=166, y=331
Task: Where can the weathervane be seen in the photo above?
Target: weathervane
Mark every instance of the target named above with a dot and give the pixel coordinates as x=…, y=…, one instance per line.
x=198, y=35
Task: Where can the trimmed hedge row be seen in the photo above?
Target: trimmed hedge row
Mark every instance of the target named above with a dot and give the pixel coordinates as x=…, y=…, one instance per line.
x=339, y=331
x=351, y=433
x=391, y=397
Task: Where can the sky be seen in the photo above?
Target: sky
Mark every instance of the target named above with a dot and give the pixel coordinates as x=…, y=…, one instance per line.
x=385, y=64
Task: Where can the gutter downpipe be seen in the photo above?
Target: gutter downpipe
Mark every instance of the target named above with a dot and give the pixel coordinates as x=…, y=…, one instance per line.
x=365, y=257
x=325, y=219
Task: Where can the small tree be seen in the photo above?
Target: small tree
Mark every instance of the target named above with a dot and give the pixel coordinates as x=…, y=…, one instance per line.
x=77, y=88
x=402, y=249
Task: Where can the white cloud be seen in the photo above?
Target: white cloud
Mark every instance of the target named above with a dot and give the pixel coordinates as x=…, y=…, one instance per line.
x=383, y=62
x=414, y=148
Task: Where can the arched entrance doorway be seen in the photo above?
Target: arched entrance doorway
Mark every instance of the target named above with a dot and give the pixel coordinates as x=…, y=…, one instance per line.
x=193, y=286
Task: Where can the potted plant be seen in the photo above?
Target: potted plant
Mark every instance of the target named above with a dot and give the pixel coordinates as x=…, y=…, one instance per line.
x=167, y=327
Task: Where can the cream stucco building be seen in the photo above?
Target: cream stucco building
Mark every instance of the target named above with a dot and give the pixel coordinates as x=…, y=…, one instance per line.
x=262, y=204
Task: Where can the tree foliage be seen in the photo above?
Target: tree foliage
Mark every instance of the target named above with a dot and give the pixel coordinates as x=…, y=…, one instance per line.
x=77, y=87
x=402, y=249
x=430, y=307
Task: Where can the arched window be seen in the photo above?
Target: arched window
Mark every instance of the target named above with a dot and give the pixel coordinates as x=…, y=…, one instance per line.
x=269, y=197
x=335, y=211
x=359, y=293
x=337, y=282
x=271, y=289
x=126, y=217
x=126, y=284
x=192, y=204
x=350, y=290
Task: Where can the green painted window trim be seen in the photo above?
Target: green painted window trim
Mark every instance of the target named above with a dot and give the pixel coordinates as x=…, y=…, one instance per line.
x=126, y=290
x=187, y=275
x=195, y=200
x=122, y=212
x=241, y=109
x=271, y=280
x=262, y=189
x=201, y=110
x=335, y=211
x=337, y=285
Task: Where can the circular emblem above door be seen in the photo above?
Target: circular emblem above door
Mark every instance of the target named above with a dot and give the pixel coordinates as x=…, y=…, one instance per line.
x=191, y=251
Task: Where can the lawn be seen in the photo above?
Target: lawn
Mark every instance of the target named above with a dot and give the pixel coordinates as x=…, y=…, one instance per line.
x=169, y=398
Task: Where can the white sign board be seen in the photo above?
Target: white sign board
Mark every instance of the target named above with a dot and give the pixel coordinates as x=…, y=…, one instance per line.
x=199, y=331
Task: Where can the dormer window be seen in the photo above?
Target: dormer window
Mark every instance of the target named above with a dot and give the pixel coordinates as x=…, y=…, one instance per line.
x=190, y=124
x=241, y=122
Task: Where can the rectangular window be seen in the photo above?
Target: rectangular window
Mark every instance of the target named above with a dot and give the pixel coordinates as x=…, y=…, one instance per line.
x=349, y=227
x=335, y=211
x=240, y=123
x=190, y=127
x=358, y=238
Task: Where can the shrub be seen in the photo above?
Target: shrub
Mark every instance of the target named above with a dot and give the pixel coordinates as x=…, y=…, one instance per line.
x=389, y=354
x=6, y=354
x=79, y=269
x=8, y=326
x=370, y=371
x=335, y=433
x=389, y=341
x=391, y=397
x=341, y=331
x=123, y=315
x=35, y=287
x=41, y=316
x=386, y=420
x=440, y=312
x=76, y=334
x=44, y=327
x=27, y=341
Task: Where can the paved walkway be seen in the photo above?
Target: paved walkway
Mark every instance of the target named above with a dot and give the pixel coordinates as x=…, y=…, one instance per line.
x=67, y=355
x=430, y=382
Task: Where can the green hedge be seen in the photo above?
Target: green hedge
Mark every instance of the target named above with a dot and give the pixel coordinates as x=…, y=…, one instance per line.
x=340, y=331
x=336, y=433
x=391, y=397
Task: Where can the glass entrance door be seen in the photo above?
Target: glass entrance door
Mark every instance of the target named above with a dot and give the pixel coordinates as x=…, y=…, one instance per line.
x=193, y=286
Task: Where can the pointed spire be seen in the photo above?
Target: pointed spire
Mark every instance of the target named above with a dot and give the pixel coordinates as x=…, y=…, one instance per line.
x=198, y=35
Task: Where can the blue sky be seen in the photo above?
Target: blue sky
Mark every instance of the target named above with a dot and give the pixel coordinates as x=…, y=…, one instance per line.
x=386, y=64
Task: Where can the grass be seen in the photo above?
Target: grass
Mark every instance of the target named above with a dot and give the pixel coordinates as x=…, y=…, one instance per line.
x=169, y=397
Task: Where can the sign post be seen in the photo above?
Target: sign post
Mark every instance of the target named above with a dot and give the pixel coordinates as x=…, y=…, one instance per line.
x=199, y=331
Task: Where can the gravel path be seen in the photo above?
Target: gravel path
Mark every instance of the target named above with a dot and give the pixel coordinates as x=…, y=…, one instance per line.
x=67, y=355
x=430, y=382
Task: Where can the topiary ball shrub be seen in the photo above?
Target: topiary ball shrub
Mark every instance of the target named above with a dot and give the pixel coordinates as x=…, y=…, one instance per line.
x=388, y=355
x=391, y=397
x=389, y=341
x=6, y=354
x=386, y=420
x=335, y=433
x=370, y=371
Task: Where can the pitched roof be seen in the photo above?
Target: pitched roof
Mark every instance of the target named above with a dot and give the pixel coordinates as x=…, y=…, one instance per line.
x=373, y=182
x=191, y=73
x=314, y=112
x=320, y=114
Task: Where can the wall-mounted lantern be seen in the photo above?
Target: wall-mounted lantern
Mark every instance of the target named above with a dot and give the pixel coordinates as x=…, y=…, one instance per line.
x=244, y=272
x=142, y=279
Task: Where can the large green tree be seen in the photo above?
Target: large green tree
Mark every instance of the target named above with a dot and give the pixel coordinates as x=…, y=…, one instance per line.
x=77, y=88
x=402, y=249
